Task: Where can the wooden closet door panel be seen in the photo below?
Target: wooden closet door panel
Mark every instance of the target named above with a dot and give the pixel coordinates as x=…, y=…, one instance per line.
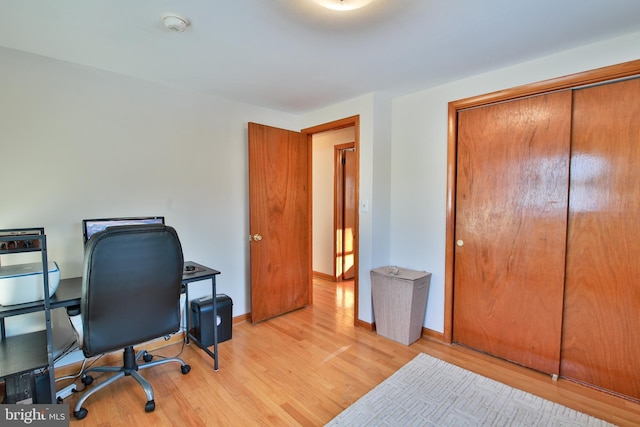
x=601, y=342
x=511, y=212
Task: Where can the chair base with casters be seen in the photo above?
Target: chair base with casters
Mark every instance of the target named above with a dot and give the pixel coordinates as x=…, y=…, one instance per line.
x=130, y=367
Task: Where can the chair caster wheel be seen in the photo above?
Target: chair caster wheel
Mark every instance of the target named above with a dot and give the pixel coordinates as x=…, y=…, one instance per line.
x=87, y=380
x=150, y=406
x=185, y=369
x=147, y=357
x=80, y=414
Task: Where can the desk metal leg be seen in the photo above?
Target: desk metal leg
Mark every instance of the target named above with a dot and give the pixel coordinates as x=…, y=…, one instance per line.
x=187, y=313
x=189, y=337
x=215, y=324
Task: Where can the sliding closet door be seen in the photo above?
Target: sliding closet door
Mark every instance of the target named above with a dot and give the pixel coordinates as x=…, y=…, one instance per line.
x=511, y=213
x=602, y=301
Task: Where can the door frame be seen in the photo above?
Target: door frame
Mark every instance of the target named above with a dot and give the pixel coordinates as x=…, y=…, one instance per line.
x=599, y=75
x=353, y=121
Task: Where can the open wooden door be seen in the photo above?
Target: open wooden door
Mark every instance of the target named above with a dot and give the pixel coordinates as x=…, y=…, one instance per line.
x=279, y=221
x=345, y=211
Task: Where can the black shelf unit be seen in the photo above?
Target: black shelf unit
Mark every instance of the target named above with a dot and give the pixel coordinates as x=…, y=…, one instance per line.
x=32, y=351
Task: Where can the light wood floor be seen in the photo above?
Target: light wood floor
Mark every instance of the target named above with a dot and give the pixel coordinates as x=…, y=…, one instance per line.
x=303, y=368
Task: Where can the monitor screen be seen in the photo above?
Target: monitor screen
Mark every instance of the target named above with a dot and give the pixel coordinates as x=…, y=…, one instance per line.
x=93, y=226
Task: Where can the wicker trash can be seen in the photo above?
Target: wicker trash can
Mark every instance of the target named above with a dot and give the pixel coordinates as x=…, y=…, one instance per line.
x=399, y=302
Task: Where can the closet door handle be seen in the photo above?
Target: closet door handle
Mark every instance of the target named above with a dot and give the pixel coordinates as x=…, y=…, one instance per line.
x=460, y=242
x=257, y=237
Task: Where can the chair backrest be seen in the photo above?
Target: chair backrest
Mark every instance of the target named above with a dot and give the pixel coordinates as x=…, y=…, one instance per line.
x=132, y=276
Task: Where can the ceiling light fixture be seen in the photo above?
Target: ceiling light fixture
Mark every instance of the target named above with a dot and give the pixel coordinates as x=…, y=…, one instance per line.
x=343, y=4
x=175, y=23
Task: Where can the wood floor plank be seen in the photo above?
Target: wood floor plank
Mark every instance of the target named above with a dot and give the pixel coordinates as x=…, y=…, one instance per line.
x=302, y=369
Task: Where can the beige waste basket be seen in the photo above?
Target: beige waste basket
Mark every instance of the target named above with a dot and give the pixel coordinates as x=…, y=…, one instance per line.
x=399, y=302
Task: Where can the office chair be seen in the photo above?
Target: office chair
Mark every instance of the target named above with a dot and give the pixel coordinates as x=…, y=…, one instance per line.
x=131, y=283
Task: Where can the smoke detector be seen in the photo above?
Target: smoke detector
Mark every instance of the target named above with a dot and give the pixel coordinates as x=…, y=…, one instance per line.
x=175, y=23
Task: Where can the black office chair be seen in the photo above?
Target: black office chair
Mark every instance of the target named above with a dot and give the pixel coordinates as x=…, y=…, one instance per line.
x=131, y=283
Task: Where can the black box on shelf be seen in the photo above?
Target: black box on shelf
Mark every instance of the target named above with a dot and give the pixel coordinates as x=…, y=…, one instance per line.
x=20, y=388
x=202, y=319
x=27, y=388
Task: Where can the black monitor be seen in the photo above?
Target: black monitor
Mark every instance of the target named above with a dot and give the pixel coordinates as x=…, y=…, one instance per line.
x=93, y=226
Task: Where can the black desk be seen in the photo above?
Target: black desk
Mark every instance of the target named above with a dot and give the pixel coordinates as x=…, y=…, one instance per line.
x=202, y=273
x=70, y=290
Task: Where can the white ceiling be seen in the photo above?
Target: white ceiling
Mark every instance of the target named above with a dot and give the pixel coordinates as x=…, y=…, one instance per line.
x=294, y=56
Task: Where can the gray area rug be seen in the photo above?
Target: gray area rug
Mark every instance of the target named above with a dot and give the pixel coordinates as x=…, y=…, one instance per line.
x=430, y=392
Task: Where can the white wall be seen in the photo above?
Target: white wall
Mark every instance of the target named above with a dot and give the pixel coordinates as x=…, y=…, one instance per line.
x=375, y=140
x=419, y=154
x=323, y=170
x=80, y=143
x=77, y=142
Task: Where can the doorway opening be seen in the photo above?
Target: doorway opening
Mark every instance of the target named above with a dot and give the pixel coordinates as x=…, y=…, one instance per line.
x=334, y=183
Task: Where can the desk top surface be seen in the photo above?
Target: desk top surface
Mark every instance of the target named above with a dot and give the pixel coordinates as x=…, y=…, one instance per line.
x=200, y=273
x=70, y=290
